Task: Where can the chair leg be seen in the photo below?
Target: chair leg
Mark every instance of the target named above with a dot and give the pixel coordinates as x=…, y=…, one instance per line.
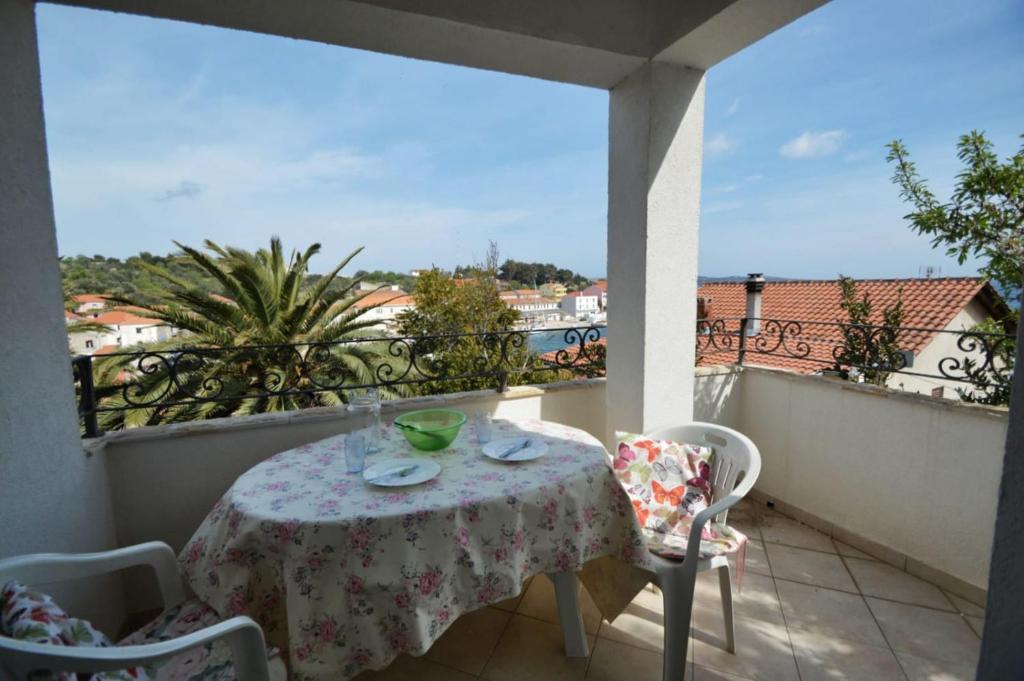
x=567, y=591
x=677, y=589
x=725, y=585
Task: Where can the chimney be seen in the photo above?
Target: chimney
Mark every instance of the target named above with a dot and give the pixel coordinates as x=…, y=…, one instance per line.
x=703, y=308
x=755, y=284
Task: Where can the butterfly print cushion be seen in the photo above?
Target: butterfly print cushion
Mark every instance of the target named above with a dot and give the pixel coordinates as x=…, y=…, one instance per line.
x=668, y=482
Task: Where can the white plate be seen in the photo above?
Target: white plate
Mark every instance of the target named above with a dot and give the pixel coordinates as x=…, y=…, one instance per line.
x=383, y=474
x=537, y=448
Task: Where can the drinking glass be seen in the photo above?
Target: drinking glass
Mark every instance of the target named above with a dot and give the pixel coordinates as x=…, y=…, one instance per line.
x=364, y=409
x=482, y=427
x=355, y=452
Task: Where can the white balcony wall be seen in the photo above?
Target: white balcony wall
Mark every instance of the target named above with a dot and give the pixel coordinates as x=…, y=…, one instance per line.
x=53, y=497
x=915, y=474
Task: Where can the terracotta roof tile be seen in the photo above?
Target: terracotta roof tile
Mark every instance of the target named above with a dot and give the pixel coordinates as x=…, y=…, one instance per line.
x=927, y=304
x=121, y=317
x=385, y=299
x=89, y=298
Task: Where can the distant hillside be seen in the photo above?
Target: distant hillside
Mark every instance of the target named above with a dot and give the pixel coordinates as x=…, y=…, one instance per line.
x=735, y=278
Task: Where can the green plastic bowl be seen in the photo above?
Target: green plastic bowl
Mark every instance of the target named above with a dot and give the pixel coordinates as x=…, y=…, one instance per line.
x=429, y=430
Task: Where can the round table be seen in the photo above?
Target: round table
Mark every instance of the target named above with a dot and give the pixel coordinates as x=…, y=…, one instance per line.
x=346, y=576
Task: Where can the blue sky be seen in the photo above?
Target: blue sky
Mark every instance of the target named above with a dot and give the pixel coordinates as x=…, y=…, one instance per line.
x=161, y=131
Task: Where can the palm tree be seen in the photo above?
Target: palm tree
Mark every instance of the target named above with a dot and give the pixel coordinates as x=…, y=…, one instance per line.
x=265, y=345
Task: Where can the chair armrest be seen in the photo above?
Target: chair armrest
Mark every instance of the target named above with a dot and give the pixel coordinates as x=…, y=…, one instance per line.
x=58, y=567
x=733, y=498
x=243, y=635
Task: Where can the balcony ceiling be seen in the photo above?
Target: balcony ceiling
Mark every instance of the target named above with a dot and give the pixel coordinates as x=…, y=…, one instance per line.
x=587, y=42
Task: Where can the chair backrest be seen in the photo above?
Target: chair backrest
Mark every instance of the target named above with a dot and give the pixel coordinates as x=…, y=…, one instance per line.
x=737, y=462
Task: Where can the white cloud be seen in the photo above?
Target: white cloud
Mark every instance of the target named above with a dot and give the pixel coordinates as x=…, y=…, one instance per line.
x=733, y=108
x=812, y=144
x=719, y=144
x=186, y=189
x=724, y=189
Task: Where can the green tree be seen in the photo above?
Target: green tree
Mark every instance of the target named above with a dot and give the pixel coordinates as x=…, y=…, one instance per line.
x=233, y=345
x=869, y=350
x=462, y=329
x=984, y=218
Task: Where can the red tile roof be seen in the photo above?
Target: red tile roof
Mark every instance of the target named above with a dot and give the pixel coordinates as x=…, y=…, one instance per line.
x=571, y=352
x=927, y=304
x=385, y=299
x=121, y=317
x=89, y=298
x=107, y=349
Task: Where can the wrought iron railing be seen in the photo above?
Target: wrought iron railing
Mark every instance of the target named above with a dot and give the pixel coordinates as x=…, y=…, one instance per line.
x=979, y=364
x=166, y=378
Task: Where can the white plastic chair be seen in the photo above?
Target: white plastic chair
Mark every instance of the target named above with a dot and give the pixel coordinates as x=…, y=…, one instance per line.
x=736, y=458
x=19, y=658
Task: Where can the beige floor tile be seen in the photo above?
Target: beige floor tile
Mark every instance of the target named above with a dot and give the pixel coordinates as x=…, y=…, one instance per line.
x=757, y=559
x=763, y=652
x=539, y=601
x=924, y=669
x=531, y=650
x=780, y=530
x=925, y=632
x=614, y=661
x=876, y=578
x=965, y=606
x=470, y=640
x=640, y=624
x=824, y=618
x=706, y=674
x=746, y=525
x=809, y=567
x=849, y=662
x=847, y=550
x=757, y=600
x=977, y=623
x=408, y=668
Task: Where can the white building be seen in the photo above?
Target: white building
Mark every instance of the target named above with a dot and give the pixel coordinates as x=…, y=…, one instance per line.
x=389, y=304
x=89, y=303
x=580, y=305
x=599, y=290
x=536, y=308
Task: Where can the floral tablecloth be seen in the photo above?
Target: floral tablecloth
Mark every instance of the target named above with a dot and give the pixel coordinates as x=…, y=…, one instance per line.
x=346, y=576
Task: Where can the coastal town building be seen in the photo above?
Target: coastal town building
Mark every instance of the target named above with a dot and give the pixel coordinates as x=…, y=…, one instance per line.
x=121, y=328
x=390, y=303
x=601, y=292
x=553, y=289
x=88, y=302
x=580, y=305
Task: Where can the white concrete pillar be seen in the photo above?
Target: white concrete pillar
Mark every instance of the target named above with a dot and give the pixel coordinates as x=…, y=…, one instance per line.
x=1002, y=655
x=52, y=497
x=656, y=127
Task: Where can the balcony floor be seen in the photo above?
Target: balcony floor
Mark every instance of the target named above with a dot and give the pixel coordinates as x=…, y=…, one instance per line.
x=810, y=609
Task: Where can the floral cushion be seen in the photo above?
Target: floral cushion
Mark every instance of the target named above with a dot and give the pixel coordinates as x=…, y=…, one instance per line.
x=669, y=483
x=33, y=616
x=210, y=662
